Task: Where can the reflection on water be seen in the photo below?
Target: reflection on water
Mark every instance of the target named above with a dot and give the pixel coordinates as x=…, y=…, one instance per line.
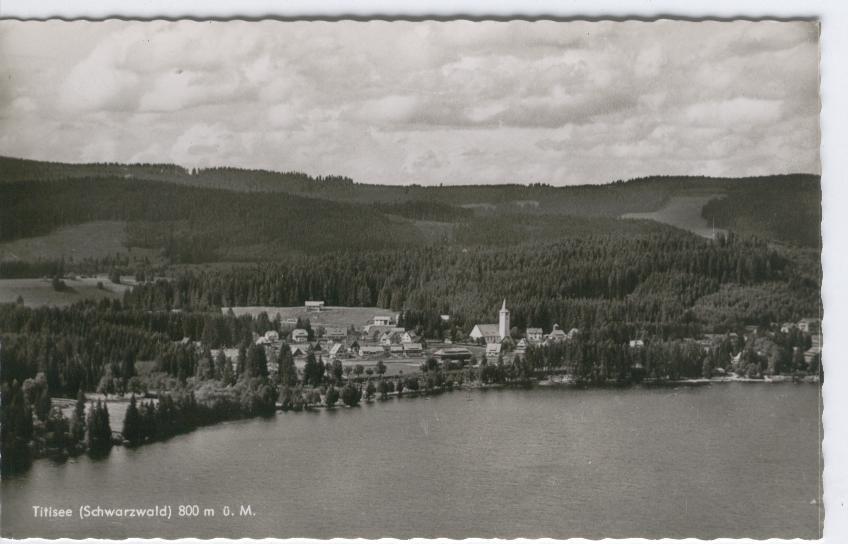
x=724, y=460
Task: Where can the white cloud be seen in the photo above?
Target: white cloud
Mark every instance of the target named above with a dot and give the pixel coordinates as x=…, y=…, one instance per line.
x=426, y=102
x=735, y=111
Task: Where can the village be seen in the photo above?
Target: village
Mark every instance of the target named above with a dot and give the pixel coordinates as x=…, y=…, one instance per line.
x=399, y=351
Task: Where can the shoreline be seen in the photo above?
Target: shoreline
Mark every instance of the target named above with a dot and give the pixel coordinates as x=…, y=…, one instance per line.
x=544, y=382
x=119, y=441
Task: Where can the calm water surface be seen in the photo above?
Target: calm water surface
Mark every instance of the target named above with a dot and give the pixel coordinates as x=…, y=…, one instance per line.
x=722, y=460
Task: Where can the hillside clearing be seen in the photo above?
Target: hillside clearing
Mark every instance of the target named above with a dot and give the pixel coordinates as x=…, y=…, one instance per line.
x=92, y=240
x=682, y=212
x=39, y=291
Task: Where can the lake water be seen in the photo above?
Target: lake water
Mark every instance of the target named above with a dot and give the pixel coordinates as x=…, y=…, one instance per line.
x=714, y=461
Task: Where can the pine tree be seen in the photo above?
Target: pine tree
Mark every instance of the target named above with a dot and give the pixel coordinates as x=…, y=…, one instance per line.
x=286, y=370
x=133, y=431
x=351, y=394
x=312, y=370
x=78, y=418
x=128, y=365
x=42, y=405
x=99, y=430
x=332, y=397
x=241, y=362
x=221, y=364
x=257, y=362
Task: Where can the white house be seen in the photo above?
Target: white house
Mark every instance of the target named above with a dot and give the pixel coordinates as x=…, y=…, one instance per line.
x=493, y=350
x=409, y=337
x=314, y=305
x=810, y=325
x=454, y=354
x=299, y=350
x=337, y=350
x=557, y=335
x=412, y=349
x=299, y=336
x=382, y=320
x=389, y=338
x=534, y=334
x=335, y=333
x=371, y=351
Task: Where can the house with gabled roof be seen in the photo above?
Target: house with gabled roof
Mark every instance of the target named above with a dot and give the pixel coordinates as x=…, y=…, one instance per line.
x=409, y=337
x=337, y=350
x=299, y=350
x=453, y=354
x=335, y=333
x=314, y=305
x=534, y=334
x=412, y=349
x=810, y=325
x=390, y=338
x=487, y=332
x=556, y=335
x=371, y=351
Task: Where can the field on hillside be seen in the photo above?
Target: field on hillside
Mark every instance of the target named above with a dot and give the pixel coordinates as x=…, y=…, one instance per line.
x=331, y=315
x=682, y=212
x=92, y=240
x=96, y=239
x=39, y=291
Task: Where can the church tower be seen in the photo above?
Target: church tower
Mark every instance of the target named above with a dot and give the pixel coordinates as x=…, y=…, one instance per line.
x=503, y=322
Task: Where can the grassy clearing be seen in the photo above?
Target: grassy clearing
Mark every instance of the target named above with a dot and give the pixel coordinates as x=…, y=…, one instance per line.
x=93, y=240
x=683, y=211
x=40, y=292
x=339, y=316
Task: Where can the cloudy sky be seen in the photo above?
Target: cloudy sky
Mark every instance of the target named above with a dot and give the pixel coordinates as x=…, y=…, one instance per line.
x=418, y=102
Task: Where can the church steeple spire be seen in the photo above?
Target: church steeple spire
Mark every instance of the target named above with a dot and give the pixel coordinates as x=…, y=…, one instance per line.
x=503, y=322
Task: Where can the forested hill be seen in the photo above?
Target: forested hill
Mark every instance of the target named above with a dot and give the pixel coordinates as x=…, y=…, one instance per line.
x=231, y=213
x=785, y=208
x=609, y=199
x=194, y=225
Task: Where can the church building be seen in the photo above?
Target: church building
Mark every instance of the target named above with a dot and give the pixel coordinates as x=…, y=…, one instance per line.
x=493, y=332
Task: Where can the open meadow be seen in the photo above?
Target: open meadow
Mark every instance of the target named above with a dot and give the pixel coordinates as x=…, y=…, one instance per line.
x=91, y=240
x=40, y=292
x=684, y=212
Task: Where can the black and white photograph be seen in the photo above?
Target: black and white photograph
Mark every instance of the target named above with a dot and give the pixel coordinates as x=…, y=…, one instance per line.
x=411, y=278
